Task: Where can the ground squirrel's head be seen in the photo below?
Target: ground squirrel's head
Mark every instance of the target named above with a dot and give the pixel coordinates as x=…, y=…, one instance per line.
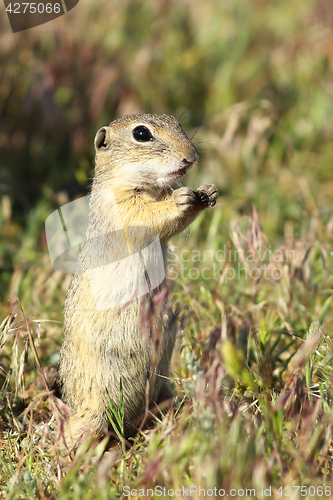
x=144, y=149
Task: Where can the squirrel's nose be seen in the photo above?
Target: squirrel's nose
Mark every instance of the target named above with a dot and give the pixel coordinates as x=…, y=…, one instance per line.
x=192, y=156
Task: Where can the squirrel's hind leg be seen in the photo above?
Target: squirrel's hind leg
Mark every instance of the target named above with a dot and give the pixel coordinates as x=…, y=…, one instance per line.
x=76, y=429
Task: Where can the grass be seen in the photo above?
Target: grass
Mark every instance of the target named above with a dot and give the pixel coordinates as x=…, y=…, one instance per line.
x=116, y=416
x=252, y=278
x=253, y=373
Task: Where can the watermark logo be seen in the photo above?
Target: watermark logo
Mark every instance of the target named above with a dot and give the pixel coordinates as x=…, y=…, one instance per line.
x=229, y=264
x=130, y=257
x=123, y=264
x=25, y=15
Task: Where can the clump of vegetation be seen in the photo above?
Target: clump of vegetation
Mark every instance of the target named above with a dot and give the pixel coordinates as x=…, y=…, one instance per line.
x=252, y=279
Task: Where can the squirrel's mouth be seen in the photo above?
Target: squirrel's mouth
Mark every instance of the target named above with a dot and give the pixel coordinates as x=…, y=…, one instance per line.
x=183, y=168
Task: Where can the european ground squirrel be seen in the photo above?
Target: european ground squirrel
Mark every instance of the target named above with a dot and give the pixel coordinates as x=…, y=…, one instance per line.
x=118, y=323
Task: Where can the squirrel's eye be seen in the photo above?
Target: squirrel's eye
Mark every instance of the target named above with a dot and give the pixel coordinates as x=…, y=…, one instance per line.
x=142, y=134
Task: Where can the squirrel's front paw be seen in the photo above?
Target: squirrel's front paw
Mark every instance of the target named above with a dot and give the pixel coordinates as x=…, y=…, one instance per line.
x=208, y=194
x=186, y=199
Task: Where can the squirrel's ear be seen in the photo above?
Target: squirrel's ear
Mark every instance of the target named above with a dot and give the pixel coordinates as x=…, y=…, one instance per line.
x=102, y=140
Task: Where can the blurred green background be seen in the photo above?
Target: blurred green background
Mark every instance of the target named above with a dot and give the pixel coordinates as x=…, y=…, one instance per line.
x=252, y=82
x=252, y=79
